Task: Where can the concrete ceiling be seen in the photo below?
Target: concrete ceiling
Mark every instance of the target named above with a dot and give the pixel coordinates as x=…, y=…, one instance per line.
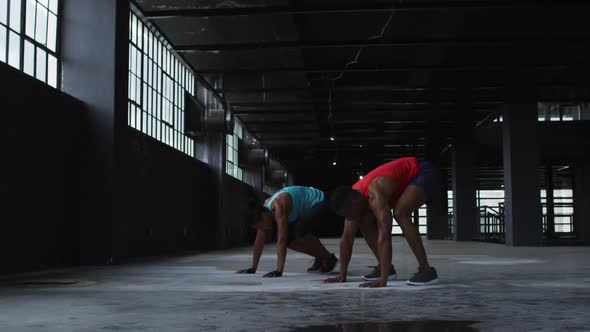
x=280, y=59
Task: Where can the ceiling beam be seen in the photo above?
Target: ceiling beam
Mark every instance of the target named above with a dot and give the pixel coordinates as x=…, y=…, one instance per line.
x=350, y=104
x=252, y=111
x=386, y=88
x=387, y=139
x=290, y=122
x=399, y=7
x=450, y=68
x=545, y=41
x=293, y=130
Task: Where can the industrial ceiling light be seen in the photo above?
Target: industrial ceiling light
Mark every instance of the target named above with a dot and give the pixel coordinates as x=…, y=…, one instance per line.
x=332, y=138
x=334, y=163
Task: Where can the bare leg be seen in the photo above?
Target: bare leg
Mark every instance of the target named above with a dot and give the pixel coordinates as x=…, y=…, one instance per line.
x=412, y=198
x=310, y=245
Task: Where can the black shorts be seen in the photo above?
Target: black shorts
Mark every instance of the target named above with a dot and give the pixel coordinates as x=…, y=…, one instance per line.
x=311, y=221
x=427, y=178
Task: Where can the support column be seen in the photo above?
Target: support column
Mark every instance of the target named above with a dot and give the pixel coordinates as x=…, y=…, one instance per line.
x=522, y=214
x=211, y=149
x=437, y=212
x=436, y=209
x=582, y=202
x=94, y=52
x=465, y=214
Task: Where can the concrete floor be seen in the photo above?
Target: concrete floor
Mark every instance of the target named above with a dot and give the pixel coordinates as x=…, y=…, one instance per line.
x=500, y=288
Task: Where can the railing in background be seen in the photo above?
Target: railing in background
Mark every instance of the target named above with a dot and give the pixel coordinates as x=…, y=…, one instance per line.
x=492, y=227
x=491, y=224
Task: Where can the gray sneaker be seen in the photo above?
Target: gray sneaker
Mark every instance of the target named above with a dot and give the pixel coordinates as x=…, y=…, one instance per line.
x=376, y=274
x=424, y=278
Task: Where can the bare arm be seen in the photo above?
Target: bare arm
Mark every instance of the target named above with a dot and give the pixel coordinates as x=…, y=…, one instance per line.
x=258, y=247
x=281, y=207
x=282, y=234
x=379, y=194
x=257, y=252
x=281, y=217
x=346, y=243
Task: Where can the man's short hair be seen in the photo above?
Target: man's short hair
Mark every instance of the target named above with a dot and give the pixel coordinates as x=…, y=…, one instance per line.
x=342, y=197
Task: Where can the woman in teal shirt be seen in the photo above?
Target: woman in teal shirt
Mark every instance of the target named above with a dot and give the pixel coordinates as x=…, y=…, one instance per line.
x=298, y=212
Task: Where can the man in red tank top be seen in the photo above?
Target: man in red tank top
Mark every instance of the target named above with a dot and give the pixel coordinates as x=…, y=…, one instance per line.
x=402, y=185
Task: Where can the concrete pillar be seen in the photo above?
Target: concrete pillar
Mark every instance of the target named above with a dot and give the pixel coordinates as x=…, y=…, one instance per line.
x=465, y=219
x=437, y=211
x=211, y=149
x=94, y=53
x=465, y=214
x=436, y=208
x=253, y=175
x=522, y=213
x=582, y=202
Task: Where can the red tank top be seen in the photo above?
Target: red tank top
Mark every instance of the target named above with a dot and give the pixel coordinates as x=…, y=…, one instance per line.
x=401, y=170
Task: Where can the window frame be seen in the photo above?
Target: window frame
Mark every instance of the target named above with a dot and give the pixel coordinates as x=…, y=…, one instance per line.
x=36, y=45
x=233, y=148
x=158, y=78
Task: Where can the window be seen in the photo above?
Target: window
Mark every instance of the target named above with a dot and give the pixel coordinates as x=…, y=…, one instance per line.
x=28, y=37
x=570, y=113
x=542, y=113
x=231, y=164
x=490, y=198
x=563, y=210
x=490, y=212
x=450, y=210
x=157, y=81
x=420, y=218
x=561, y=111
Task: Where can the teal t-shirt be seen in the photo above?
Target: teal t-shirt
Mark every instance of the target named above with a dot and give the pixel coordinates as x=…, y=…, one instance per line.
x=303, y=198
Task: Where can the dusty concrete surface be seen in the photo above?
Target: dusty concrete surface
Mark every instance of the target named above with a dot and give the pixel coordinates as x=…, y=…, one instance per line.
x=499, y=287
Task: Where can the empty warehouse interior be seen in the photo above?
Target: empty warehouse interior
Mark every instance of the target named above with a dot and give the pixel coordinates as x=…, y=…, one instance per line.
x=144, y=137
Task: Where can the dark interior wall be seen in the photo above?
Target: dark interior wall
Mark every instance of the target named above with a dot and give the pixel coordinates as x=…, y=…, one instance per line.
x=168, y=198
x=167, y=201
x=42, y=130
x=232, y=228
x=172, y=202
